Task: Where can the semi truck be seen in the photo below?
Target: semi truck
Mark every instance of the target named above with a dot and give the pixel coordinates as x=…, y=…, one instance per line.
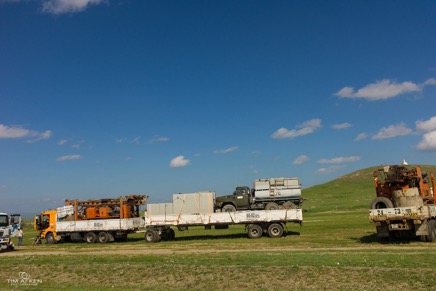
x=9, y=224
x=268, y=194
x=405, y=203
x=95, y=220
x=198, y=209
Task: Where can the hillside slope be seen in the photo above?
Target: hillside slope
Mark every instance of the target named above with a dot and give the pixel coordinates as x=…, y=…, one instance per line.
x=353, y=191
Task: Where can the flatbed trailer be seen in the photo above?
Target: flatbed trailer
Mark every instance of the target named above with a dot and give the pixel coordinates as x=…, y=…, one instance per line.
x=257, y=223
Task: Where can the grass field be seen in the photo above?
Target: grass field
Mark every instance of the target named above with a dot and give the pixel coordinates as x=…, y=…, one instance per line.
x=335, y=249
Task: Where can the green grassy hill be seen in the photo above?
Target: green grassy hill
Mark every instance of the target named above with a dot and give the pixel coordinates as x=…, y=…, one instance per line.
x=353, y=191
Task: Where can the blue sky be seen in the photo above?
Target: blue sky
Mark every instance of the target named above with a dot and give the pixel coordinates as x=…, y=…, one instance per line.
x=108, y=98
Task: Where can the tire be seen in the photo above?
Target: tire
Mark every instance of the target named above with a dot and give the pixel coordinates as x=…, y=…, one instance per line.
x=152, y=235
x=272, y=206
x=255, y=231
x=275, y=230
x=103, y=237
x=49, y=238
x=171, y=234
x=90, y=237
x=11, y=247
x=381, y=203
x=228, y=208
x=289, y=205
x=431, y=228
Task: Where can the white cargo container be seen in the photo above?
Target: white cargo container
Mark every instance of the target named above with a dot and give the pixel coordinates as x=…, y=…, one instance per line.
x=190, y=203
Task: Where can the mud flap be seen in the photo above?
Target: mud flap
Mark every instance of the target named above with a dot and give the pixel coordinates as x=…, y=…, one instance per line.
x=382, y=230
x=421, y=229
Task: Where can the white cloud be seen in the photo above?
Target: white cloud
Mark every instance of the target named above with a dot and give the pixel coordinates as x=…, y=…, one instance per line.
x=136, y=140
x=62, y=142
x=301, y=160
x=341, y=125
x=330, y=169
x=157, y=139
x=305, y=128
x=121, y=140
x=19, y=132
x=39, y=136
x=67, y=6
x=392, y=131
x=428, y=142
x=179, y=162
x=380, y=90
x=226, y=151
x=68, y=157
x=361, y=136
x=430, y=82
x=427, y=125
x=13, y=132
x=339, y=160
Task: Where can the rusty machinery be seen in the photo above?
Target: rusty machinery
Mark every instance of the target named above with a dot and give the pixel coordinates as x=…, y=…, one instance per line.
x=123, y=207
x=393, y=181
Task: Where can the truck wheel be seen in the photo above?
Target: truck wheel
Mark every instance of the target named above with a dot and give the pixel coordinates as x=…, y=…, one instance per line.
x=90, y=237
x=11, y=247
x=103, y=237
x=275, y=230
x=289, y=205
x=255, y=231
x=49, y=239
x=381, y=203
x=272, y=206
x=228, y=208
x=431, y=228
x=152, y=235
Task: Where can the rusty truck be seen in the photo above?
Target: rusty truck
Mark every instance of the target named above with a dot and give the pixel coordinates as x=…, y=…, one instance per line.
x=405, y=203
x=94, y=220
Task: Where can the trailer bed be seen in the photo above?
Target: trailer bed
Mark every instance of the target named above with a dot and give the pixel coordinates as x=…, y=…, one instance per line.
x=113, y=224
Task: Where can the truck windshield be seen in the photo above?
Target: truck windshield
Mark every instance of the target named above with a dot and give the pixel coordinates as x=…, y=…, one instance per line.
x=4, y=221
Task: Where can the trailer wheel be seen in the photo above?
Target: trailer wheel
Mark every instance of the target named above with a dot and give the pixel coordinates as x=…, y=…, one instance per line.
x=152, y=235
x=255, y=231
x=272, y=206
x=275, y=230
x=381, y=203
x=103, y=237
x=49, y=238
x=90, y=237
x=228, y=208
x=289, y=205
x=171, y=234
